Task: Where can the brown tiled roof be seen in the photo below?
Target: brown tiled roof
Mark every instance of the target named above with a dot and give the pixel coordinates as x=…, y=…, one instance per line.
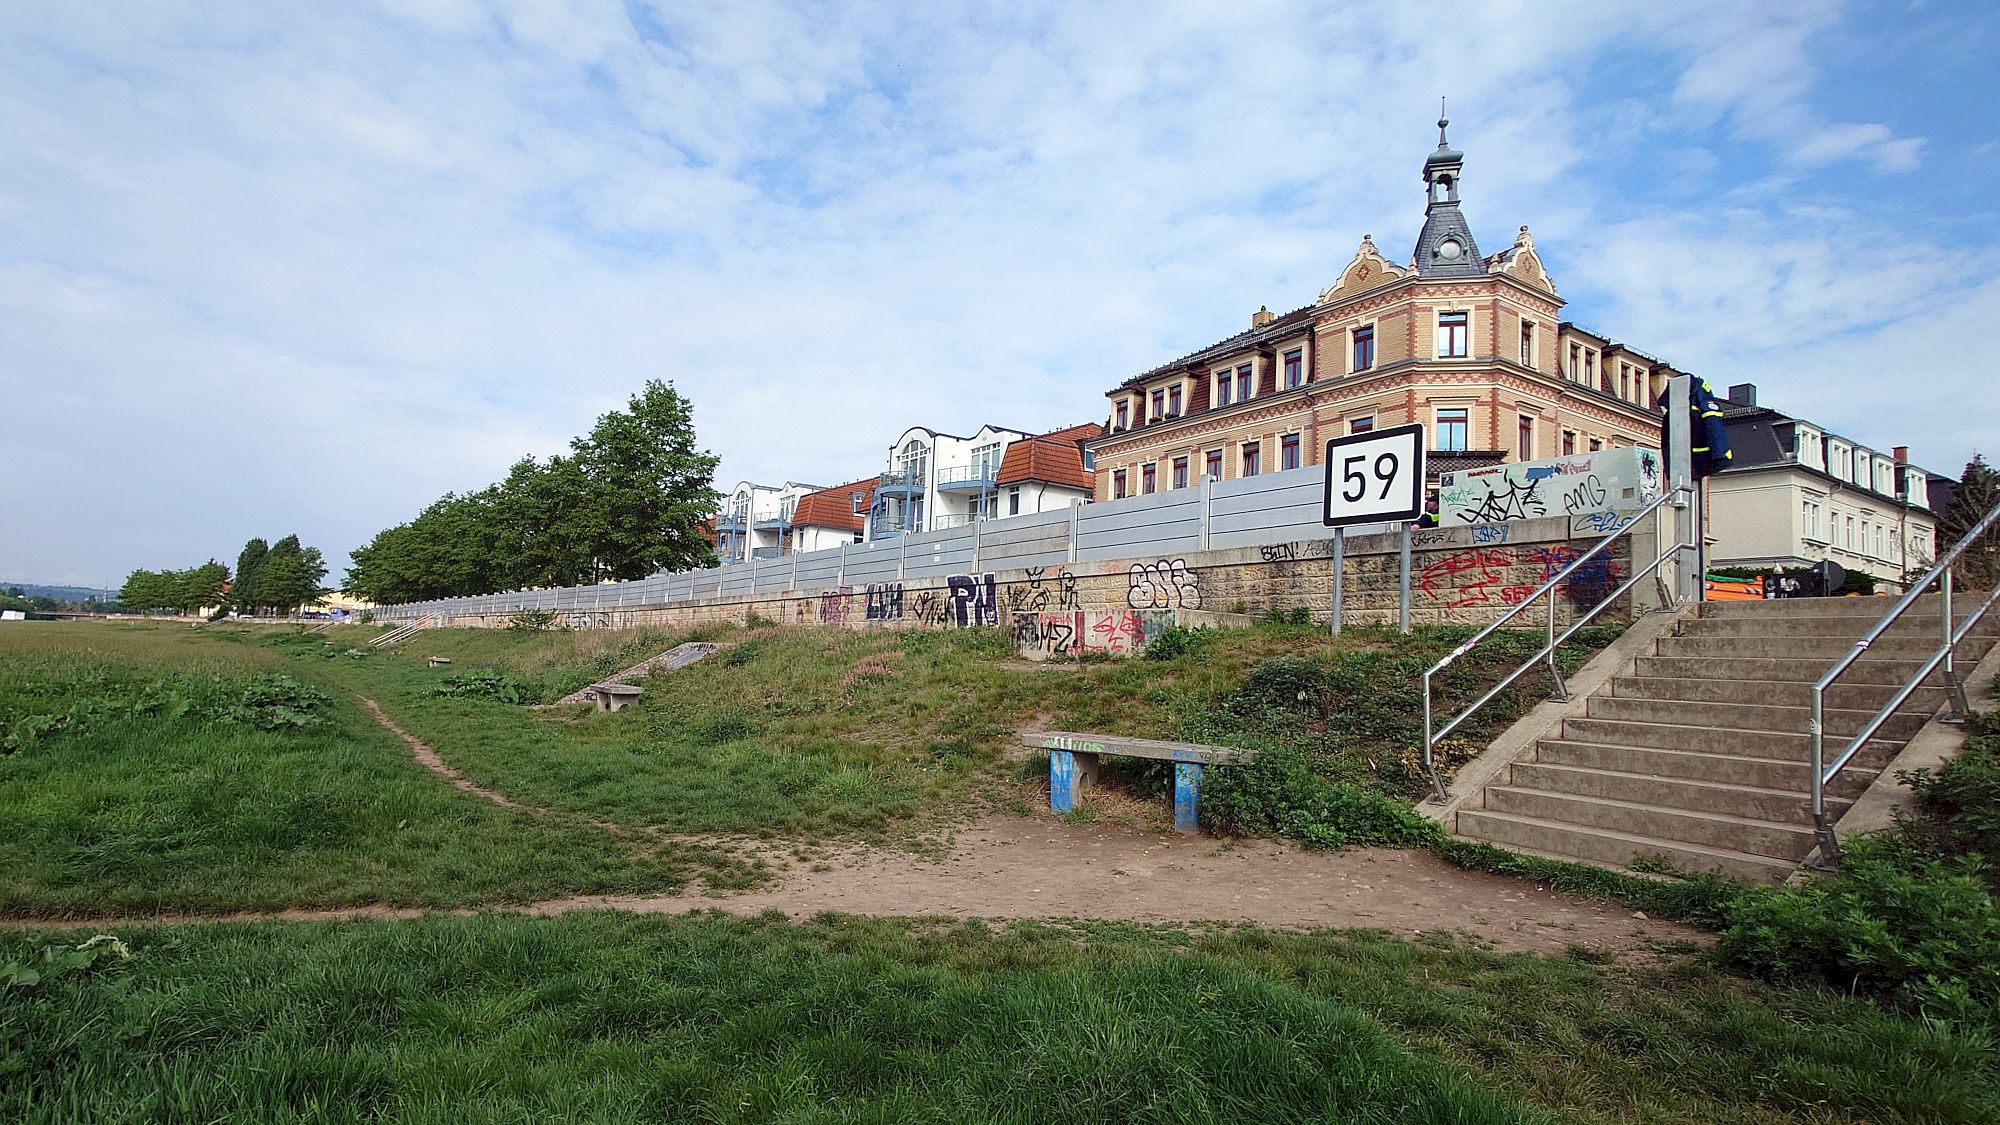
x=834, y=507
x=1054, y=458
x=1285, y=325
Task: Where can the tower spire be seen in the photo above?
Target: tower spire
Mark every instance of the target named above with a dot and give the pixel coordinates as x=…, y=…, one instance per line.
x=1445, y=247
x=1442, y=122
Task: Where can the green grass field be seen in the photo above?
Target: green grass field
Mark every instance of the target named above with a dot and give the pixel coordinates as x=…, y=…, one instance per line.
x=162, y=768
x=612, y=1018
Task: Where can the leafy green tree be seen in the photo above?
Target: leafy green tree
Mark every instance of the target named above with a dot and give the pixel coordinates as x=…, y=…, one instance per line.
x=627, y=501
x=149, y=591
x=648, y=487
x=290, y=575
x=1978, y=493
x=243, y=597
x=199, y=586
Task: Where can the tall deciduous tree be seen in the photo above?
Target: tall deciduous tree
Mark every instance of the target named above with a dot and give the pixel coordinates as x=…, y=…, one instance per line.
x=1978, y=493
x=649, y=488
x=243, y=596
x=626, y=502
x=290, y=575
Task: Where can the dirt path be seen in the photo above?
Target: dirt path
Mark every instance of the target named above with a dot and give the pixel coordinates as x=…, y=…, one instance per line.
x=1040, y=867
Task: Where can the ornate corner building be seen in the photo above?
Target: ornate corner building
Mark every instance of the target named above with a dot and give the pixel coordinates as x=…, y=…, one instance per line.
x=1471, y=346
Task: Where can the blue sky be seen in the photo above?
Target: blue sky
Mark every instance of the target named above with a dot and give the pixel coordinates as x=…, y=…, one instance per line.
x=268, y=268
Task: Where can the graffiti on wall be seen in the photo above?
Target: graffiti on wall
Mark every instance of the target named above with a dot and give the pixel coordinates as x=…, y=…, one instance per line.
x=1163, y=585
x=885, y=601
x=927, y=607
x=1499, y=576
x=1601, y=481
x=836, y=605
x=598, y=619
x=1040, y=636
x=971, y=600
x=1287, y=552
x=1043, y=591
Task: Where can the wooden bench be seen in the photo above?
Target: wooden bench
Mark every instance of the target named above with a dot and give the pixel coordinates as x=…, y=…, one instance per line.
x=1073, y=762
x=433, y=661
x=614, y=697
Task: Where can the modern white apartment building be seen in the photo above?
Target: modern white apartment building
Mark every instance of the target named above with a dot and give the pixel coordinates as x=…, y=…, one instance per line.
x=755, y=520
x=937, y=480
x=1795, y=494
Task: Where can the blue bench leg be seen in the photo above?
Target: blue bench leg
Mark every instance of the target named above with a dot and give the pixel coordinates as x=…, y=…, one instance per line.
x=1062, y=781
x=1187, y=791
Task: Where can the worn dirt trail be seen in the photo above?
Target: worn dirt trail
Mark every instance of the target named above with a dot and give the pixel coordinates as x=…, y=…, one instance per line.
x=1040, y=867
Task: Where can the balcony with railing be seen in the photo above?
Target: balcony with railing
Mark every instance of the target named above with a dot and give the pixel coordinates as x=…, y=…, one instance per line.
x=734, y=519
x=906, y=480
x=968, y=478
x=954, y=519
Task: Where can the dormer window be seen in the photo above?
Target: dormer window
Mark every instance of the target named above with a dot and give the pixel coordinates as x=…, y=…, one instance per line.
x=1123, y=416
x=1243, y=384
x=1174, y=399
x=1295, y=368
x=1159, y=404
x=1222, y=383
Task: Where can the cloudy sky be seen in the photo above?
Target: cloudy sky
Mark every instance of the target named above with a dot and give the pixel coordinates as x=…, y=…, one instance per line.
x=268, y=268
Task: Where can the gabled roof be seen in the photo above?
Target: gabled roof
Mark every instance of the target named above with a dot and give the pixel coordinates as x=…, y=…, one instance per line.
x=1052, y=458
x=1286, y=325
x=834, y=507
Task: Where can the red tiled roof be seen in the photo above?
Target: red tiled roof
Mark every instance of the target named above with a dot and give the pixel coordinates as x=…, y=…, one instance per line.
x=1055, y=458
x=834, y=507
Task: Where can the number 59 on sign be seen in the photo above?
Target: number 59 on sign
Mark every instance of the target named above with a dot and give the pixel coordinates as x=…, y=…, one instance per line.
x=1376, y=477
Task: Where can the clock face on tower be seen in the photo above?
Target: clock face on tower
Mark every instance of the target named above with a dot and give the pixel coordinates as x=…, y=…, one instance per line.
x=1449, y=250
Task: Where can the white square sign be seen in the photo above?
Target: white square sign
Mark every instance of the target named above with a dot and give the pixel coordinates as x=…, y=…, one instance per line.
x=1376, y=477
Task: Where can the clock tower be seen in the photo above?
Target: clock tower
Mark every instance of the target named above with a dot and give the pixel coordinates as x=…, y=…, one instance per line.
x=1445, y=247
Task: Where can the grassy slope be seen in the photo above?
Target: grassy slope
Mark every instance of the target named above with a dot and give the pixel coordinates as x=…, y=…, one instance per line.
x=133, y=814
x=612, y=1018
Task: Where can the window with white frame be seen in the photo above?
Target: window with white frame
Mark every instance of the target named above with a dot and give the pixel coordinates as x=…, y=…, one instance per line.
x=1451, y=428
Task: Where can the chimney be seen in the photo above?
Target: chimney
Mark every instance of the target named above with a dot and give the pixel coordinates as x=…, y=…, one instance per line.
x=1262, y=317
x=1743, y=394
x=1902, y=454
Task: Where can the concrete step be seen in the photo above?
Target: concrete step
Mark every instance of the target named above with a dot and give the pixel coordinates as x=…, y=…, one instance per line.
x=1872, y=608
x=1748, y=716
x=1794, y=648
x=1803, y=670
x=1788, y=842
x=1750, y=802
x=1612, y=848
x=1724, y=769
x=1782, y=693
x=1848, y=628
x=1784, y=746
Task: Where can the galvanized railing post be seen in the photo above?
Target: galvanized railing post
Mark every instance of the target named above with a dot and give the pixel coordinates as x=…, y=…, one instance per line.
x=1430, y=743
x=1956, y=704
x=1555, y=670
x=1403, y=584
x=1339, y=557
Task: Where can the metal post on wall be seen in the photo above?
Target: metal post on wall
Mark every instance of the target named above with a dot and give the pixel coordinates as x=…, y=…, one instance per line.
x=1075, y=518
x=1207, y=506
x=1403, y=583
x=795, y=569
x=1339, y=567
x=975, y=544
x=902, y=542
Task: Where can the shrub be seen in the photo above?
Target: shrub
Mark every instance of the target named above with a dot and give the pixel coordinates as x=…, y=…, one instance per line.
x=481, y=683
x=274, y=702
x=1280, y=793
x=533, y=620
x=1177, y=642
x=1959, y=804
x=1286, y=684
x=1919, y=930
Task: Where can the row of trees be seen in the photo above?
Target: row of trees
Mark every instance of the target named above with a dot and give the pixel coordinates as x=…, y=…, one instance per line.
x=628, y=500
x=276, y=578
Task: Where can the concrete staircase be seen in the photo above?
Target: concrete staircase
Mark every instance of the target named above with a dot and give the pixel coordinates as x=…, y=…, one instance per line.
x=1700, y=754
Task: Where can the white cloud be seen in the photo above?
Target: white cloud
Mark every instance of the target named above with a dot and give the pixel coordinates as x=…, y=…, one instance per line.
x=308, y=271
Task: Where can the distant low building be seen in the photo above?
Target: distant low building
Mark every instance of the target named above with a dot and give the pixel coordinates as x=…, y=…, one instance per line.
x=833, y=516
x=937, y=480
x=1795, y=494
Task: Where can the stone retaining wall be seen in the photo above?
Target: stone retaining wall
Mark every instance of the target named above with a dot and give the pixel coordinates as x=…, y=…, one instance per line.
x=1466, y=575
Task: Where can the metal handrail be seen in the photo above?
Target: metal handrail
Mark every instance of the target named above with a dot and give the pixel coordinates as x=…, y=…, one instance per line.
x=1942, y=656
x=1548, y=650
